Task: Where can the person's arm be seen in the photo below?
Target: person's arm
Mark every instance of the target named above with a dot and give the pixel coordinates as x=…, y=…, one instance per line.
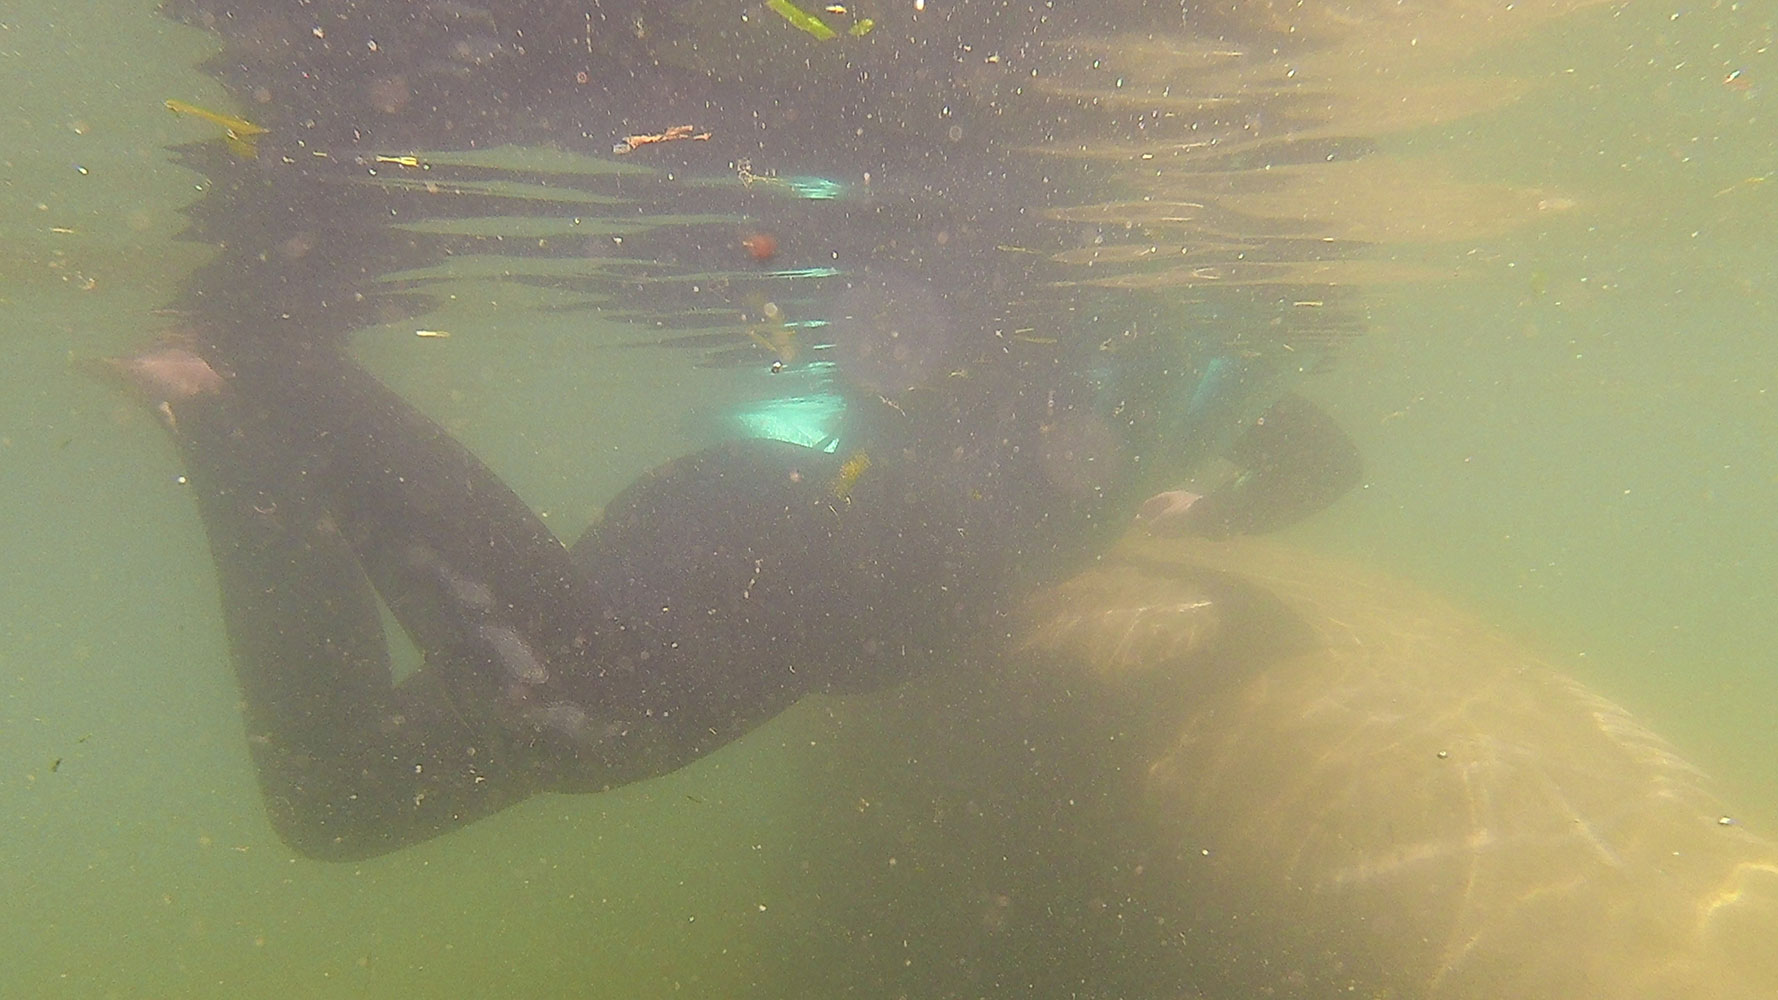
x=1294, y=460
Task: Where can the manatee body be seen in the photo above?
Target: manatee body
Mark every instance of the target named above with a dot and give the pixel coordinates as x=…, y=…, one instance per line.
x=1372, y=794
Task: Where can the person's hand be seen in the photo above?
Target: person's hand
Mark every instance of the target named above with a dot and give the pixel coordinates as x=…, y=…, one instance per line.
x=1169, y=514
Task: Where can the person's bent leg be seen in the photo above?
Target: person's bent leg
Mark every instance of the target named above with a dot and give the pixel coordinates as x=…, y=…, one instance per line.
x=350, y=763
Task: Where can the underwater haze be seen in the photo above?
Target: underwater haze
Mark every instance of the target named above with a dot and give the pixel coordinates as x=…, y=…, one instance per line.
x=1569, y=426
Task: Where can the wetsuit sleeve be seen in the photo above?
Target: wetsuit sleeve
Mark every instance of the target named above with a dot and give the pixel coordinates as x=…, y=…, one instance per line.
x=1294, y=461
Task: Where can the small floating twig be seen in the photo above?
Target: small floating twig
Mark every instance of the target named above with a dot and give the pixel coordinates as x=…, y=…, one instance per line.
x=631, y=143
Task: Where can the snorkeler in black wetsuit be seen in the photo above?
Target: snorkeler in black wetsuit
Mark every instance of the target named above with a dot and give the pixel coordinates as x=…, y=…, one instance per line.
x=716, y=591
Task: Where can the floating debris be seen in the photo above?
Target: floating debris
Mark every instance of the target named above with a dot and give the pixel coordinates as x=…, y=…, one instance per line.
x=805, y=21
x=802, y=19
x=241, y=135
x=850, y=472
x=631, y=143
x=760, y=246
x=774, y=334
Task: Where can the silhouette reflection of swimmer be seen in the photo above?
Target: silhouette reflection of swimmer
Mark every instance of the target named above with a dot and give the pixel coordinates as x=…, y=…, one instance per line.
x=715, y=592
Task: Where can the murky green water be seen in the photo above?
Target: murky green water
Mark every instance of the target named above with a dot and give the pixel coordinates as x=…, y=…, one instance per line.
x=1579, y=439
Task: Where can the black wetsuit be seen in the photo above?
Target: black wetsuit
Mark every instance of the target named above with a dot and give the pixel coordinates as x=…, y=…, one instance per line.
x=715, y=592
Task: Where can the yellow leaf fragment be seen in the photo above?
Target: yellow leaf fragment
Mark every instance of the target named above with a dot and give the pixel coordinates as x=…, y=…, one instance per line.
x=241, y=135
x=801, y=19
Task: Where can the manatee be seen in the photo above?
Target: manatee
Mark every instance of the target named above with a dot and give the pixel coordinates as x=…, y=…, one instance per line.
x=1347, y=786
